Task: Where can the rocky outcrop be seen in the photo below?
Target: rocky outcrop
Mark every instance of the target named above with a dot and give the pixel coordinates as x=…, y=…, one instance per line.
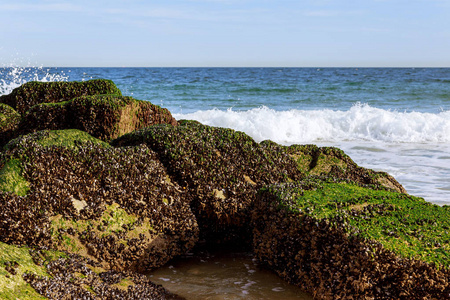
x=117, y=206
x=96, y=107
x=99, y=201
x=32, y=274
x=222, y=169
x=103, y=116
x=337, y=239
x=333, y=162
x=32, y=93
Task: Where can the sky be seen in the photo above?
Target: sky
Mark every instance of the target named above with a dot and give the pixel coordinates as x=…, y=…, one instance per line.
x=225, y=33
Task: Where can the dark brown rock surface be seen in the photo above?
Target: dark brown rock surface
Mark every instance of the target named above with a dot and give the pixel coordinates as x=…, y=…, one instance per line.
x=338, y=240
x=32, y=93
x=115, y=205
x=222, y=169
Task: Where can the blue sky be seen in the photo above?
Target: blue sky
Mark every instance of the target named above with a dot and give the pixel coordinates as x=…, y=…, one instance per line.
x=311, y=33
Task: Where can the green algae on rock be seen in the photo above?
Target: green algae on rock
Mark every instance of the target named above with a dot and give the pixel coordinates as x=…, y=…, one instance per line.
x=70, y=138
x=27, y=273
x=14, y=263
x=117, y=206
x=32, y=93
x=331, y=161
x=338, y=239
x=11, y=179
x=222, y=169
x=83, y=278
x=9, y=122
x=103, y=116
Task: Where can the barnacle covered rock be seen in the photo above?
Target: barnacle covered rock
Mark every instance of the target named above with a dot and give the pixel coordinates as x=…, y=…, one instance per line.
x=27, y=273
x=9, y=121
x=221, y=168
x=32, y=93
x=82, y=278
x=117, y=206
x=342, y=240
x=333, y=162
x=14, y=263
x=102, y=116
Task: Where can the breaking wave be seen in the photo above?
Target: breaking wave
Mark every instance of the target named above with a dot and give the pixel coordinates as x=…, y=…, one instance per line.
x=360, y=123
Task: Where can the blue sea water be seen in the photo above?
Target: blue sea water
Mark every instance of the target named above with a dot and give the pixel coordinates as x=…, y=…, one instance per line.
x=391, y=119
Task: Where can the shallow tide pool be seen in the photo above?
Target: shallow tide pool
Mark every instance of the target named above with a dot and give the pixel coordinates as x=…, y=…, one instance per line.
x=223, y=275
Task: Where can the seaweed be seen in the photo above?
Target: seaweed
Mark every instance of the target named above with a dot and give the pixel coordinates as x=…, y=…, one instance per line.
x=336, y=238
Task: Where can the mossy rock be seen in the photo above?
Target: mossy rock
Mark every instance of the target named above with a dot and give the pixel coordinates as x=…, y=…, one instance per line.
x=221, y=168
x=339, y=239
x=27, y=273
x=70, y=138
x=32, y=93
x=82, y=278
x=333, y=162
x=11, y=179
x=103, y=116
x=115, y=206
x=9, y=121
x=14, y=263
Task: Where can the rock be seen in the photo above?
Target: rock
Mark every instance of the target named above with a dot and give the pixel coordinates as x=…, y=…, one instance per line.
x=9, y=121
x=340, y=239
x=333, y=162
x=27, y=273
x=125, y=221
x=95, y=106
x=221, y=168
x=107, y=210
x=79, y=205
x=103, y=116
x=32, y=93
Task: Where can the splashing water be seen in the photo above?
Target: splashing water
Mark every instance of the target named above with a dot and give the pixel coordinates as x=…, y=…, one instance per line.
x=360, y=123
x=12, y=77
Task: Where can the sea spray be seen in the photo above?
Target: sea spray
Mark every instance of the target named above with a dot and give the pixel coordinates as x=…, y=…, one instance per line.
x=13, y=77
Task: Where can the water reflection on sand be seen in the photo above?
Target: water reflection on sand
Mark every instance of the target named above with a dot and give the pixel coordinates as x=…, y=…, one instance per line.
x=223, y=275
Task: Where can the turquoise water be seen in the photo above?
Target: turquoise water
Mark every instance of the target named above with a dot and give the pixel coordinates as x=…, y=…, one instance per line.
x=390, y=119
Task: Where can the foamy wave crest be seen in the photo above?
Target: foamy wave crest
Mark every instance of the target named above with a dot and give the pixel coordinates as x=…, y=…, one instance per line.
x=13, y=76
x=360, y=123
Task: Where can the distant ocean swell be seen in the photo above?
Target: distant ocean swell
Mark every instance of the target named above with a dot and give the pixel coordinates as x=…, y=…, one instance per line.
x=360, y=123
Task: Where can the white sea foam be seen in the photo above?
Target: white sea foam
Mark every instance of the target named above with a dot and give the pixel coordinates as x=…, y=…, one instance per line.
x=12, y=77
x=360, y=123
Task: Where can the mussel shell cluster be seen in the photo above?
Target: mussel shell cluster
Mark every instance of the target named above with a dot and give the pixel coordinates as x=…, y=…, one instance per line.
x=103, y=116
x=32, y=93
x=9, y=123
x=222, y=168
x=95, y=106
x=134, y=206
x=77, y=277
x=321, y=257
x=98, y=176
x=333, y=162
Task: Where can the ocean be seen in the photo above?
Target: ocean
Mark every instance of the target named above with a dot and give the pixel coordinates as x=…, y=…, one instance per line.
x=395, y=120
